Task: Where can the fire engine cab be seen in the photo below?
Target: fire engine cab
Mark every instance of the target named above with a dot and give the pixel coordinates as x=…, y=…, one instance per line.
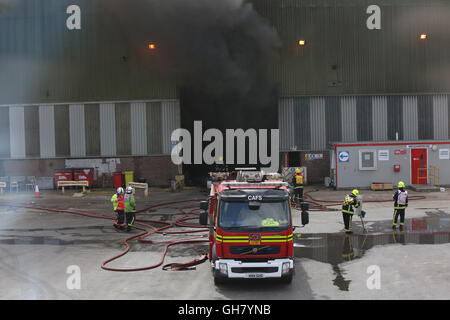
x=251, y=231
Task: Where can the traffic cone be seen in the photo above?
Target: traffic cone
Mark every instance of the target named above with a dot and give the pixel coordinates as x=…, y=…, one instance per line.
x=36, y=191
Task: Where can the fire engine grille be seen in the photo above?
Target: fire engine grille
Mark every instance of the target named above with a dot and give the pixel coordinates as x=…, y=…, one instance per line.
x=254, y=250
x=254, y=270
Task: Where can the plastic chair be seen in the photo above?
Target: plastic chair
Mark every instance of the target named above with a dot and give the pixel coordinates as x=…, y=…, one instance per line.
x=14, y=183
x=6, y=181
x=17, y=182
x=31, y=182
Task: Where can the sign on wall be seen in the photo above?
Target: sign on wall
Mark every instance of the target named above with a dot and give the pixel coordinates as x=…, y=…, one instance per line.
x=313, y=156
x=344, y=156
x=383, y=155
x=444, y=154
x=400, y=151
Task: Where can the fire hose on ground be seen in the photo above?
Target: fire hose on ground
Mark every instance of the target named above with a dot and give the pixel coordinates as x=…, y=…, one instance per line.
x=144, y=226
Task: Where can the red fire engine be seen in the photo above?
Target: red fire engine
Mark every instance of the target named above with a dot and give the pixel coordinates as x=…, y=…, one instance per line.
x=251, y=231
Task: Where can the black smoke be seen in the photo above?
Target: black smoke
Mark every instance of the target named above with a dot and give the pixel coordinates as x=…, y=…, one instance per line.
x=219, y=52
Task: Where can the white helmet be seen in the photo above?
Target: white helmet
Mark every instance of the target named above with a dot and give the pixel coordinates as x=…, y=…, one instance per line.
x=120, y=190
x=129, y=190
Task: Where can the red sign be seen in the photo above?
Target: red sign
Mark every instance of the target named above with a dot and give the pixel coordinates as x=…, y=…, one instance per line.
x=399, y=151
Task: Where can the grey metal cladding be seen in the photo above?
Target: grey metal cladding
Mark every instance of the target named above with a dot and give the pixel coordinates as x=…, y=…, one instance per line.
x=333, y=119
x=440, y=117
x=448, y=112
x=17, y=132
x=62, y=131
x=5, y=147
x=317, y=123
x=379, y=118
x=138, y=128
x=364, y=118
x=92, y=127
x=348, y=116
x=77, y=130
x=302, y=124
x=343, y=57
x=154, y=127
x=410, y=120
x=394, y=117
x=47, y=130
x=43, y=62
x=123, y=129
x=286, y=123
x=107, y=129
x=32, y=141
x=425, y=117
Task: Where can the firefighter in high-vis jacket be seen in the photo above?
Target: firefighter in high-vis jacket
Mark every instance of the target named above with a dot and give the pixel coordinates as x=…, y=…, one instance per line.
x=348, y=209
x=130, y=208
x=400, y=204
x=297, y=182
x=119, y=206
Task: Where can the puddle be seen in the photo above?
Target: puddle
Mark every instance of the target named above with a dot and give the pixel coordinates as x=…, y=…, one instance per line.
x=337, y=248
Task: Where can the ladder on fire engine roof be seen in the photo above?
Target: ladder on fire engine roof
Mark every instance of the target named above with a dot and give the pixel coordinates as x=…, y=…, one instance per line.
x=259, y=185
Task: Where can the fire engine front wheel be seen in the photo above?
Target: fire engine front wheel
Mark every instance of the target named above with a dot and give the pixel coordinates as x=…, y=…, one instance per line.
x=287, y=279
x=219, y=281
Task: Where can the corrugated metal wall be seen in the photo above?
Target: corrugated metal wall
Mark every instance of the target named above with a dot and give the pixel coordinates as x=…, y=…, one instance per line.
x=343, y=57
x=379, y=115
x=47, y=131
x=43, y=62
x=88, y=130
x=357, y=118
x=17, y=132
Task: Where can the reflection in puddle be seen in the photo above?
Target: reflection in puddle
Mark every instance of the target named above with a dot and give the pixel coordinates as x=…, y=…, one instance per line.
x=337, y=248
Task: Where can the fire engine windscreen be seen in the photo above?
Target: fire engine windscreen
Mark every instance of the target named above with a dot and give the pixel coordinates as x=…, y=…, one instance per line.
x=240, y=215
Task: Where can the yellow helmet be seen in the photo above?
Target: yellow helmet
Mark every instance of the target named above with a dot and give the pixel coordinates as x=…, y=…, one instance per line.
x=401, y=184
x=297, y=170
x=355, y=192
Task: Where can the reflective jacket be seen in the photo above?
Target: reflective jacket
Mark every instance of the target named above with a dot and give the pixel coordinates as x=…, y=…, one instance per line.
x=297, y=181
x=118, y=202
x=401, y=199
x=349, y=203
x=269, y=222
x=130, y=204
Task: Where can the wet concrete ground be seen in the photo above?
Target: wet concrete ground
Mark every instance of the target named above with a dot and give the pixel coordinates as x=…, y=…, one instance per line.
x=37, y=248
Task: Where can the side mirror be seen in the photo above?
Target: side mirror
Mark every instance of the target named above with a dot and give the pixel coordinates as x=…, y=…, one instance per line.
x=204, y=205
x=203, y=219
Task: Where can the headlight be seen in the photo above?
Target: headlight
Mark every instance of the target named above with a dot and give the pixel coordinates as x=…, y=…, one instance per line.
x=223, y=268
x=285, y=268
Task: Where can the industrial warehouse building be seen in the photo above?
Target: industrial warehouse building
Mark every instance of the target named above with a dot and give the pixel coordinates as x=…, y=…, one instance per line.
x=84, y=98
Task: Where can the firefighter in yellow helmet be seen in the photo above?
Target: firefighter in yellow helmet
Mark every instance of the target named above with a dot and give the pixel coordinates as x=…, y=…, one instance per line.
x=350, y=202
x=297, y=182
x=400, y=204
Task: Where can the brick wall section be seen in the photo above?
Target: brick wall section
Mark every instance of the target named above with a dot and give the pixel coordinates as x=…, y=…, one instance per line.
x=317, y=169
x=157, y=170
